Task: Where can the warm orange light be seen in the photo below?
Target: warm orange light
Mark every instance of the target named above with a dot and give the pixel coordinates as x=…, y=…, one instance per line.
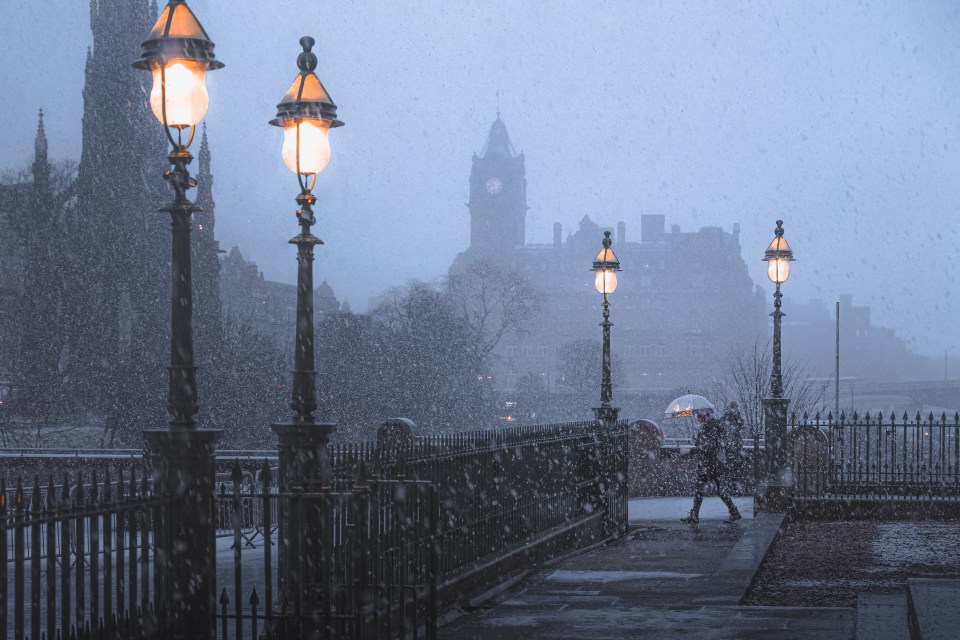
x=778, y=270
x=314, y=146
x=606, y=282
x=186, y=92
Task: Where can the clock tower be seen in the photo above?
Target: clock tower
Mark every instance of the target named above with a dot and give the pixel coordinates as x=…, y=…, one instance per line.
x=498, y=194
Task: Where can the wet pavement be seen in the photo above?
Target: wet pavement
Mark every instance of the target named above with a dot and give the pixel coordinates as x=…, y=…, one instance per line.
x=664, y=580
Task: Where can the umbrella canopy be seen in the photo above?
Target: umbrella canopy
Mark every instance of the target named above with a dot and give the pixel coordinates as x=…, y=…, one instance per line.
x=687, y=405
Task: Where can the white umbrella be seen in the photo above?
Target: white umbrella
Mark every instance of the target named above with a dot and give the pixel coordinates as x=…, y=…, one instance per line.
x=687, y=405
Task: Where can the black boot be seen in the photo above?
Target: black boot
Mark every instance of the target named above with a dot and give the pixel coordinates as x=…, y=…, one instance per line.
x=693, y=518
x=734, y=516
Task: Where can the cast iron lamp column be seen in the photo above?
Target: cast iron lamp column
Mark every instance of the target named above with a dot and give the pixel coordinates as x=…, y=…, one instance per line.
x=776, y=491
x=606, y=267
x=306, y=113
x=179, y=53
x=599, y=465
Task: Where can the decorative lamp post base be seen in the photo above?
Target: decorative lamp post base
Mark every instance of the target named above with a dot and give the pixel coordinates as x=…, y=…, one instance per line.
x=775, y=491
x=304, y=462
x=304, y=471
x=184, y=473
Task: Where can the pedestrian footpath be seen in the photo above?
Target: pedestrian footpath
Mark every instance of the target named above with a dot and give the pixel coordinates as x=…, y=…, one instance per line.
x=663, y=580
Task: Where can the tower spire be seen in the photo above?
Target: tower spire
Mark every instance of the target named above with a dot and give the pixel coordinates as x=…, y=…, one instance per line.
x=205, y=219
x=40, y=144
x=41, y=167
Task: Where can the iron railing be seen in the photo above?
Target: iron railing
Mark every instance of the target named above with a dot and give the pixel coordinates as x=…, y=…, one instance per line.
x=876, y=456
x=81, y=555
x=398, y=522
x=362, y=557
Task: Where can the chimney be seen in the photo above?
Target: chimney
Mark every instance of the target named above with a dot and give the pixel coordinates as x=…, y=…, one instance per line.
x=557, y=235
x=621, y=232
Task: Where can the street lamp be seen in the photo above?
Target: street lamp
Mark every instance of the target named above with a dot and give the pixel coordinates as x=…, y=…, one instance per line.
x=778, y=257
x=606, y=267
x=306, y=113
x=178, y=52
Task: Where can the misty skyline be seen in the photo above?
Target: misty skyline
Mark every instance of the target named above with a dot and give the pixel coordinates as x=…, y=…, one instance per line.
x=840, y=119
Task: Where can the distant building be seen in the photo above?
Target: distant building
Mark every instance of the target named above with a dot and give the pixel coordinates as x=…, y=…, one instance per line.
x=867, y=352
x=684, y=301
x=92, y=259
x=269, y=307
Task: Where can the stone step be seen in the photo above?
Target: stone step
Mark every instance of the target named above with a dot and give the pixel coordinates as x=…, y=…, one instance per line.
x=933, y=613
x=882, y=616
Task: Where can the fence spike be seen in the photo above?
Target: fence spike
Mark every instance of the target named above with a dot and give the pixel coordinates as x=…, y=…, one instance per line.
x=51, y=494
x=224, y=598
x=254, y=598
x=265, y=473
x=79, y=495
x=18, y=496
x=35, y=500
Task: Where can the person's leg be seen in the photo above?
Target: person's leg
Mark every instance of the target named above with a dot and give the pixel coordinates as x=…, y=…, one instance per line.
x=725, y=497
x=697, y=498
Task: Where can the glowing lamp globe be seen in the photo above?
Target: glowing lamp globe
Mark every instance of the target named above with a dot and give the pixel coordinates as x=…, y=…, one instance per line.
x=179, y=53
x=778, y=257
x=306, y=113
x=606, y=267
x=306, y=146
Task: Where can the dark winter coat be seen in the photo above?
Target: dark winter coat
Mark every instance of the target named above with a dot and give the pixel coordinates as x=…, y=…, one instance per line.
x=709, y=441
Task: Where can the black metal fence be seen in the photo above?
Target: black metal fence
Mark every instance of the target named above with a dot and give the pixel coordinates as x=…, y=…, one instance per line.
x=362, y=557
x=80, y=554
x=396, y=522
x=876, y=456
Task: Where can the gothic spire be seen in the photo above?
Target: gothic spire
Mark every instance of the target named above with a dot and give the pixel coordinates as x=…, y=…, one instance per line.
x=205, y=187
x=40, y=144
x=498, y=142
x=41, y=168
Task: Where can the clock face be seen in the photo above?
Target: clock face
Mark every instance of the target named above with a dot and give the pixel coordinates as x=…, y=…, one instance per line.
x=494, y=186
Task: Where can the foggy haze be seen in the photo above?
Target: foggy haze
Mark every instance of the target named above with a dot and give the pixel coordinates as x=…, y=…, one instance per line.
x=841, y=118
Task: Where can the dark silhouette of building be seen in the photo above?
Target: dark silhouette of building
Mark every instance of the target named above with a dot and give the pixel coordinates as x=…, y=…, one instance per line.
x=684, y=301
x=94, y=260
x=498, y=194
x=270, y=308
x=205, y=250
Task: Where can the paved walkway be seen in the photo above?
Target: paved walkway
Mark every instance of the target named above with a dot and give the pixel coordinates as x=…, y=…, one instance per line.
x=664, y=580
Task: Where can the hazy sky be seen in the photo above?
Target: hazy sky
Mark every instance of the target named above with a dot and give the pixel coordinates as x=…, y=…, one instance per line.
x=843, y=118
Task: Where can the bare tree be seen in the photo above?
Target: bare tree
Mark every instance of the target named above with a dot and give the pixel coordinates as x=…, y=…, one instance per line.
x=496, y=303
x=746, y=380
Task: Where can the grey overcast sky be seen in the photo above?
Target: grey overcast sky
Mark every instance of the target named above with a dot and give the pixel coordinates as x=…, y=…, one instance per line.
x=842, y=118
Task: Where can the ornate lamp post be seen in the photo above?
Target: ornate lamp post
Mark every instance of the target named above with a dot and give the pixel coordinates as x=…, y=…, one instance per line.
x=307, y=113
x=179, y=52
x=606, y=267
x=778, y=257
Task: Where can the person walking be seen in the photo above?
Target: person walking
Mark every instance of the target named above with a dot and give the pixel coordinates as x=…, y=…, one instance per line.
x=709, y=454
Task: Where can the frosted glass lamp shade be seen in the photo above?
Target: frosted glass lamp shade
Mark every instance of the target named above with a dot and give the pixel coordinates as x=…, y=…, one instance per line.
x=312, y=145
x=606, y=282
x=183, y=83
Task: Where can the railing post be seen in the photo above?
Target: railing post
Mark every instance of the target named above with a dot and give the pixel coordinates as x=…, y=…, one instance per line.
x=304, y=468
x=183, y=467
